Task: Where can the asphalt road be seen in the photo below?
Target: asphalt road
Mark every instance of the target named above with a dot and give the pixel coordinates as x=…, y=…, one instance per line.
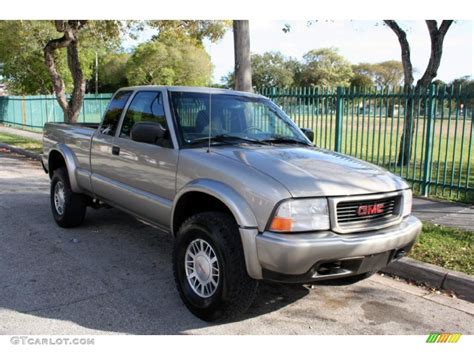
x=113, y=275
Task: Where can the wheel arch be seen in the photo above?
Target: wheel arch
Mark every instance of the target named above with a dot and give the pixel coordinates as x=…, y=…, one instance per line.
x=200, y=193
x=63, y=156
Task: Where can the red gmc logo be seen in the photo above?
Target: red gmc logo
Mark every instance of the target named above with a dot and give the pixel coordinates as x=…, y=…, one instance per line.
x=367, y=210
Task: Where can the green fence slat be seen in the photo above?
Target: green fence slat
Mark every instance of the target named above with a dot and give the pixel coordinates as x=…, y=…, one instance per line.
x=453, y=161
x=469, y=161
x=461, y=154
x=438, y=163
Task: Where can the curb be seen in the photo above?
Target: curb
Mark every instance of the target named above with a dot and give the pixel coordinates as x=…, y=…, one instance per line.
x=21, y=151
x=434, y=276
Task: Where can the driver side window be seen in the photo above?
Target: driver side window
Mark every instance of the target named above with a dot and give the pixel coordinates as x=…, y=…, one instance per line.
x=146, y=106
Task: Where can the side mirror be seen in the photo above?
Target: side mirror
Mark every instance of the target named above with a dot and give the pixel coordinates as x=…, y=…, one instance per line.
x=308, y=133
x=147, y=132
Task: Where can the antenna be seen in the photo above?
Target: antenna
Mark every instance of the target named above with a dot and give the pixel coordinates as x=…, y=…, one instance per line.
x=209, y=125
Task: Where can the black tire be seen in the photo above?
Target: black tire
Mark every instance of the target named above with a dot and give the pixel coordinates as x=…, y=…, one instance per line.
x=74, y=210
x=235, y=290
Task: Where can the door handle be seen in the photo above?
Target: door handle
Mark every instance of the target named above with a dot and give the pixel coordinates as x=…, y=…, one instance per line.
x=115, y=150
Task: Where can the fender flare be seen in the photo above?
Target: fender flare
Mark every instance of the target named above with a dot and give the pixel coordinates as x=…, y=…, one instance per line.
x=238, y=206
x=71, y=164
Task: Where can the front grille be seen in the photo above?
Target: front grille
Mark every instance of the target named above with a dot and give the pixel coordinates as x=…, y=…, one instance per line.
x=364, y=214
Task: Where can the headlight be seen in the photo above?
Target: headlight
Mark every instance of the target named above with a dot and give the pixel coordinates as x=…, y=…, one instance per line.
x=407, y=202
x=301, y=215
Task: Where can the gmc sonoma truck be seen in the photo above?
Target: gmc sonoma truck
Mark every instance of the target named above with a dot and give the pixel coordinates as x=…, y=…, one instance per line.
x=241, y=189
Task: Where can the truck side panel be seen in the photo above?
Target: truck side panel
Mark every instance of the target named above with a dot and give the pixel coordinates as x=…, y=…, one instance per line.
x=74, y=140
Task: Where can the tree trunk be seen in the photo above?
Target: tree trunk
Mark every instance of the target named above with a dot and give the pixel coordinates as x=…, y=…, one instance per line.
x=405, y=150
x=243, y=69
x=405, y=47
x=437, y=37
x=70, y=29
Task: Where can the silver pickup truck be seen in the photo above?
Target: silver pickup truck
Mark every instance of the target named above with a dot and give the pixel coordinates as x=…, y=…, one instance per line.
x=241, y=189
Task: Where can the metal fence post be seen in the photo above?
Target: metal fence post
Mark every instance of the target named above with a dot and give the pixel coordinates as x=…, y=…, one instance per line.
x=427, y=168
x=339, y=111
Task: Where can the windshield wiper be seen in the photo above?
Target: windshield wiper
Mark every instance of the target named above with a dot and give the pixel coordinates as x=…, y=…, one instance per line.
x=285, y=140
x=227, y=138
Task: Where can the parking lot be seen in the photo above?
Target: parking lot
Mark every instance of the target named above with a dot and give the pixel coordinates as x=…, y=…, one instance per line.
x=113, y=275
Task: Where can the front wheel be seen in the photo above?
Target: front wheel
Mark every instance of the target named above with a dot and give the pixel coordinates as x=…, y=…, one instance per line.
x=209, y=267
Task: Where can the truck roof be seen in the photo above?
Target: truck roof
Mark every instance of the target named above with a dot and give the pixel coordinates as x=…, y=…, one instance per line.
x=200, y=89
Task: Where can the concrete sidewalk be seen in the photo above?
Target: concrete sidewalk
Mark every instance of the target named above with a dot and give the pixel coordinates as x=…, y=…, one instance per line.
x=37, y=136
x=449, y=214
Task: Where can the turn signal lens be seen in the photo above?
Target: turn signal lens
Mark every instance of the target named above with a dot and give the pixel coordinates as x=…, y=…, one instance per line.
x=281, y=224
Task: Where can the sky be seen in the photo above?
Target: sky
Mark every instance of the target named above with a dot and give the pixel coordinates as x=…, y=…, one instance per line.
x=358, y=41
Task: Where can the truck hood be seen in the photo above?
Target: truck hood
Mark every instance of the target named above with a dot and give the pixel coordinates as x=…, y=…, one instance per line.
x=315, y=172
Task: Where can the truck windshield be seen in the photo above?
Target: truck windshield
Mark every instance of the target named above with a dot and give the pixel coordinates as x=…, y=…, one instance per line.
x=228, y=118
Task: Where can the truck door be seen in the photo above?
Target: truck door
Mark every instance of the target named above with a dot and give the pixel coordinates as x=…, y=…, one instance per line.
x=103, y=164
x=145, y=173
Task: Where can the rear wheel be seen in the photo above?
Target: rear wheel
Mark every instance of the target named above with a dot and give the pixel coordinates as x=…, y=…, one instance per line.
x=209, y=267
x=68, y=208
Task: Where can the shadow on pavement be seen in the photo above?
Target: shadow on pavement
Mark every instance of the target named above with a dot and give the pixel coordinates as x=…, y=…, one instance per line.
x=112, y=274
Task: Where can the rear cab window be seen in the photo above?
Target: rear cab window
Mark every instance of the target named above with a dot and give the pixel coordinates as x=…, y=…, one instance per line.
x=114, y=111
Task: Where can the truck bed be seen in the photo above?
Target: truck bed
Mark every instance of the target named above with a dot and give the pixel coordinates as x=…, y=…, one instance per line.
x=76, y=136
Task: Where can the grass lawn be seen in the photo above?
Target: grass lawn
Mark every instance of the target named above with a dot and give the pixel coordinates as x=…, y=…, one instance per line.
x=447, y=247
x=21, y=142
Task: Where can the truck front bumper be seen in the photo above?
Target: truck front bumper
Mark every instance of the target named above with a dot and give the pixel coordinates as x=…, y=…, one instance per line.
x=308, y=257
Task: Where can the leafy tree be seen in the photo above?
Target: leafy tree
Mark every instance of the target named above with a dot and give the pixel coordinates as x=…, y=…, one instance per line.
x=271, y=69
x=21, y=49
x=361, y=81
x=388, y=73
x=466, y=85
x=68, y=48
x=71, y=30
x=326, y=67
x=169, y=61
x=196, y=29
x=384, y=74
x=297, y=68
x=439, y=82
x=112, y=71
x=268, y=69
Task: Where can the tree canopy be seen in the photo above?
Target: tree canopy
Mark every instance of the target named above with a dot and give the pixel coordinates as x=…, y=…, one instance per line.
x=112, y=71
x=268, y=69
x=169, y=61
x=384, y=74
x=21, y=51
x=22, y=44
x=198, y=30
x=325, y=67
